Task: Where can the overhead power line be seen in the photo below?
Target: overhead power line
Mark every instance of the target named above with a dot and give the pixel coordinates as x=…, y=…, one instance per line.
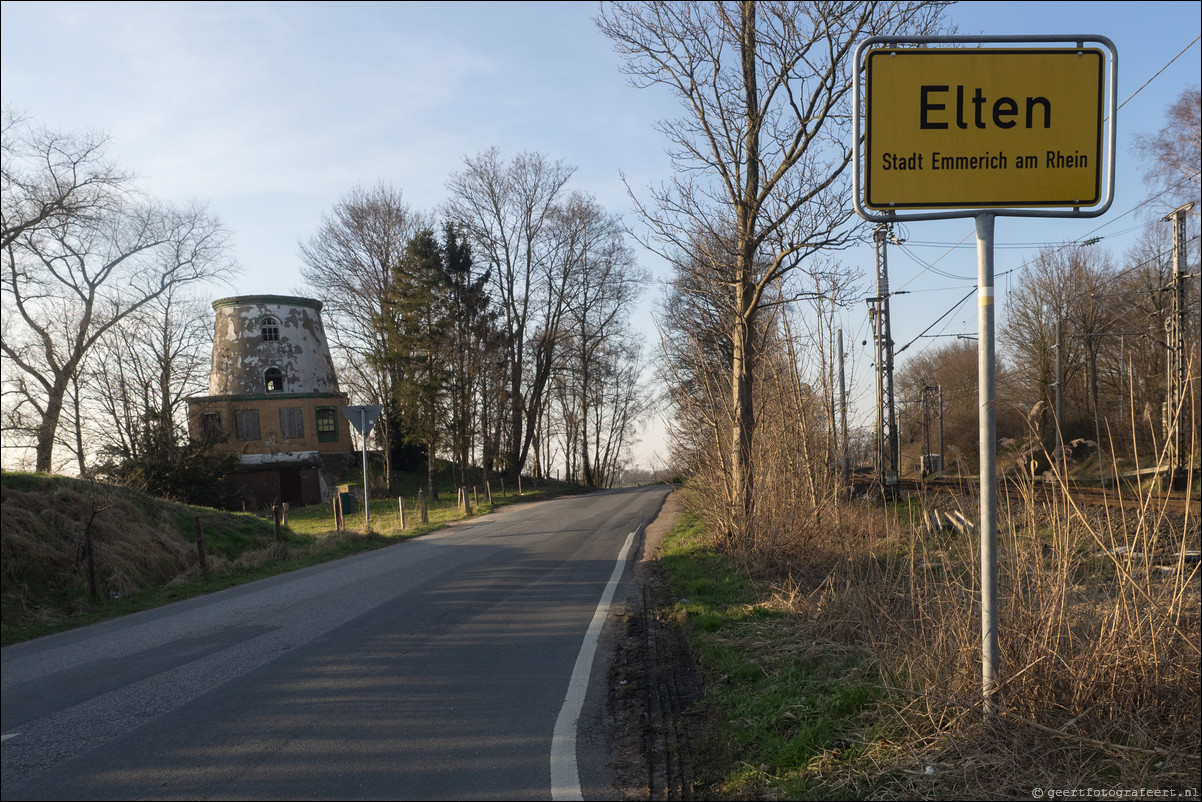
x=941, y=317
x=1162, y=69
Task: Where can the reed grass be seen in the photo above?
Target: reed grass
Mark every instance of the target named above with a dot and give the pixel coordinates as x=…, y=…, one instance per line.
x=1100, y=629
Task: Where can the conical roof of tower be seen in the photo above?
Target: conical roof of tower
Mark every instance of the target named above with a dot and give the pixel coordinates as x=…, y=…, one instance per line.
x=266, y=344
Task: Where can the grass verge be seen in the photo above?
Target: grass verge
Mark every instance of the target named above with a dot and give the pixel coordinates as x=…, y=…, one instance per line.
x=781, y=708
x=76, y=552
x=848, y=665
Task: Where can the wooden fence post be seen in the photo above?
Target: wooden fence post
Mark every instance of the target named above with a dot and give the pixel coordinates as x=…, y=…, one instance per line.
x=488, y=491
x=421, y=506
x=284, y=520
x=200, y=545
x=275, y=514
x=400, y=505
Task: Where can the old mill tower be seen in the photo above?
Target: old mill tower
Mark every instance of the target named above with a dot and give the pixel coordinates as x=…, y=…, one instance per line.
x=274, y=398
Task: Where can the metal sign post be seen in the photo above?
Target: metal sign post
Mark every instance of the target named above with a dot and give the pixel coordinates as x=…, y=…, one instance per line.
x=363, y=418
x=982, y=130
x=987, y=434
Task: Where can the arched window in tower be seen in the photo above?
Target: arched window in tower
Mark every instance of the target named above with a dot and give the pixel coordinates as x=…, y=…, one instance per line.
x=270, y=329
x=274, y=377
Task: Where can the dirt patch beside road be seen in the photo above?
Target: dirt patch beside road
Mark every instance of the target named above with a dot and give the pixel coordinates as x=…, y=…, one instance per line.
x=653, y=683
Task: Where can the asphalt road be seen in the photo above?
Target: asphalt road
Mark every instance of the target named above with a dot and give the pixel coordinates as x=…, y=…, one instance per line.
x=439, y=668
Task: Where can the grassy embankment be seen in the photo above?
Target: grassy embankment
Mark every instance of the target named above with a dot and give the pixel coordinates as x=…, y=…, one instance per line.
x=145, y=551
x=850, y=666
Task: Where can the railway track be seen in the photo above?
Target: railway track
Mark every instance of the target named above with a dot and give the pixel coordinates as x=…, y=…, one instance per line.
x=1124, y=498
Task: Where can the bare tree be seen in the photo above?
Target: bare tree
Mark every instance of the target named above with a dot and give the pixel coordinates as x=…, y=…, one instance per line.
x=693, y=366
x=605, y=282
x=506, y=211
x=619, y=403
x=49, y=177
x=1133, y=370
x=1173, y=156
x=72, y=277
x=349, y=264
x=830, y=286
x=952, y=367
x=762, y=152
x=142, y=372
x=1173, y=171
x=1063, y=286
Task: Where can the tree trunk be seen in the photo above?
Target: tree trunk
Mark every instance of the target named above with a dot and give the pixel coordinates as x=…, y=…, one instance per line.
x=517, y=452
x=431, y=480
x=44, y=450
x=743, y=410
x=77, y=411
x=743, y=335
x=589, y=480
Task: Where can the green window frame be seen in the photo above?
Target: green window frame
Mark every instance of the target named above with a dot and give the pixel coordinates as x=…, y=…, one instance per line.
x=327, y=425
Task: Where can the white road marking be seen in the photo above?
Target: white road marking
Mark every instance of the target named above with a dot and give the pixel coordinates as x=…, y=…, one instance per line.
x=565, y=774
x=8, y=735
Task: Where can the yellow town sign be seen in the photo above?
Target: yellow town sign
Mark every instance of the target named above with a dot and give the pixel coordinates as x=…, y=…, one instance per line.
x=983, y=128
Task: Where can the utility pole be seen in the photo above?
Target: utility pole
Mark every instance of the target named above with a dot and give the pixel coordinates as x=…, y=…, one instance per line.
x=844, y=454
x=878, y=431
x=1175, y=393
x=929, y=464
x=887, y=441
x=1058, y=409
x=942, y=464
x=927, y=467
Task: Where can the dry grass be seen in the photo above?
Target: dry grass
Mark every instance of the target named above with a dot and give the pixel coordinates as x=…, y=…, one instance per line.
x=1100, y=645
x=1100, y=630
x=139, y=543
x=145, y=551
x=1099, y=648
x=44, y=543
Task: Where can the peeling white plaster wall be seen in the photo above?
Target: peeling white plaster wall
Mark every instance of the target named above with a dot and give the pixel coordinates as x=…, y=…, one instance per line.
x=241, y=356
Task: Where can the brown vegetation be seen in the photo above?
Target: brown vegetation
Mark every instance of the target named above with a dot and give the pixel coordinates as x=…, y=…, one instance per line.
x=1100, y=640
x=74, y=550
x=44, y=545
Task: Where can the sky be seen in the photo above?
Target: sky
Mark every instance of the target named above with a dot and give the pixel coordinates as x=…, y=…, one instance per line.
x=269, y=113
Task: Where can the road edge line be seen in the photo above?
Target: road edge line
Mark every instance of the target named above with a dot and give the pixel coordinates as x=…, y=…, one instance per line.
x=565, y=773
